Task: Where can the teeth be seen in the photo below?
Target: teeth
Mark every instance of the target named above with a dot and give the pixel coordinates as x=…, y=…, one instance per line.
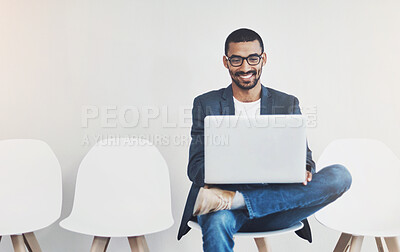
x=246, y=76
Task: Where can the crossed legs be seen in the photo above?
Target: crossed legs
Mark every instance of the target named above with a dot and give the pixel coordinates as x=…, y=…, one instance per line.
x=273, y=206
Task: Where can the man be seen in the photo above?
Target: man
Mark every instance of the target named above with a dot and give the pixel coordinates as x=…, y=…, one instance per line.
x=223, y=210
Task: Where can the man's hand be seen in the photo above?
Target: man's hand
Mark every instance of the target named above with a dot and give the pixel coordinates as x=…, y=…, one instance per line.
x=308, y=177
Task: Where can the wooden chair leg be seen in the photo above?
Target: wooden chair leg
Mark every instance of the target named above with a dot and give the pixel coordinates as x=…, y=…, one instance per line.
x=356, y=243
x=31, y=242
x=393, y=244
x=138, y=244
x=262, y=244
x=100, y=244
x=343, y=243
x=18, y=243
x=379, y=244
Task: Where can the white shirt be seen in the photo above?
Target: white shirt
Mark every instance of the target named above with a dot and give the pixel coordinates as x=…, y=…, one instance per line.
x=249, y=109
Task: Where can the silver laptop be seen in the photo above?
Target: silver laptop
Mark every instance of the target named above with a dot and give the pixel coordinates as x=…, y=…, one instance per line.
x=261, y=149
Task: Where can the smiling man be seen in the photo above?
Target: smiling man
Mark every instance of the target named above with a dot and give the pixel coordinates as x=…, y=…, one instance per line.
x=223, y=210
x=245, y=76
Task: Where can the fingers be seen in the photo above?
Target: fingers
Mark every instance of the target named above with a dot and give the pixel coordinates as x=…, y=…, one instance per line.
x=308, y=177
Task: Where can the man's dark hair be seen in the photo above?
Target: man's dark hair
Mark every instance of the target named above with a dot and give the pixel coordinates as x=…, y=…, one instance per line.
x=243, y=35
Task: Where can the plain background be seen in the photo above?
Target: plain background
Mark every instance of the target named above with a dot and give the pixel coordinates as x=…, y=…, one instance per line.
x=57, y=57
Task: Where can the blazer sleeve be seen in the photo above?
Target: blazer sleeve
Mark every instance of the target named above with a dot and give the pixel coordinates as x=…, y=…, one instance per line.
x=195, y=168
x=310, y=164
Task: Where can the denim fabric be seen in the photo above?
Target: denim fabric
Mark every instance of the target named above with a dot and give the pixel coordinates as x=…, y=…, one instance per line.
x=272, y=207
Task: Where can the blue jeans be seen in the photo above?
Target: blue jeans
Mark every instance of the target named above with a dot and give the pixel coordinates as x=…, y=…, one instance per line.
x=272, y=207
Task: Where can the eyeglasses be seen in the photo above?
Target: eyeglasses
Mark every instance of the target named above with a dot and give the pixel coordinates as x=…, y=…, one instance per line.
x=252, y=60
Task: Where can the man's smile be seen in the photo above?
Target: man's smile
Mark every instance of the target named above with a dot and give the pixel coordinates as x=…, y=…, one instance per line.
x=246, y=76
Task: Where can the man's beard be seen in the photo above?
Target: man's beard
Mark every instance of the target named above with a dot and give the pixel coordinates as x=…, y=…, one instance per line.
x=247, y=87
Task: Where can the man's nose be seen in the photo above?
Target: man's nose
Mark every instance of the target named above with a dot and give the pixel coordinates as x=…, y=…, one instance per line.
x=245, y=67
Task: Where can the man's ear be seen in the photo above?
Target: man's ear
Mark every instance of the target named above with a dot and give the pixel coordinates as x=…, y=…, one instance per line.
x=264, y=57
x=225, y=61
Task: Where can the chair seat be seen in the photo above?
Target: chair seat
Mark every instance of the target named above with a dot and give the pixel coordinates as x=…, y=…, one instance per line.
x=370, y=207
x=122, y=190
x=30, y=186
x=293, y=228
x=123, y=227
x=344, y=217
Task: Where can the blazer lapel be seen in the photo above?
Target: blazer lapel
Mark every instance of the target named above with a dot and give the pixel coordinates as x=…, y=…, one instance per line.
x=227, y=107
x=266, y=101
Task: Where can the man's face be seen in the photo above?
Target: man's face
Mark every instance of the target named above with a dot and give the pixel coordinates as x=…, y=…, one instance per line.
x=245, y=76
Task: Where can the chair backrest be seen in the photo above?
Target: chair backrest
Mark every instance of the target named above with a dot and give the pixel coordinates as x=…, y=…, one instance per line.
x=372, y=204
x=30, y=186
x=122, y=189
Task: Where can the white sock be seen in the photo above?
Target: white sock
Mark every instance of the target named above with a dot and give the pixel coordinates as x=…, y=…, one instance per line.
x=238, y=201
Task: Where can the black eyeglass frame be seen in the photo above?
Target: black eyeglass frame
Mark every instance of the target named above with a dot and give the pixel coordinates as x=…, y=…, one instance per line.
x=246, y=58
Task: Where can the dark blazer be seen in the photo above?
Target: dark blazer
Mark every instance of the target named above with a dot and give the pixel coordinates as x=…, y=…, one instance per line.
x=220, y=102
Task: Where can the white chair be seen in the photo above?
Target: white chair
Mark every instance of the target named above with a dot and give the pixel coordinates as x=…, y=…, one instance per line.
x=30, y=190
x=122, y=190
x=260, y=238
x=372, y=206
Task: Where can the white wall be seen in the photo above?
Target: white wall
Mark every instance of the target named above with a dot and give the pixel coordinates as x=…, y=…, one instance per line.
x=57, y=57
